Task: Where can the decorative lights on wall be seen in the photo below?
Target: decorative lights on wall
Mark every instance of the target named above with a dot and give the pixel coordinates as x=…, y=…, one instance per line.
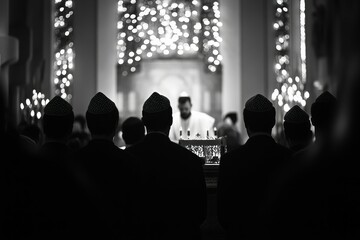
x=33, y=109
x=291, y=87
x=168, y=29
x=64, y=52
x=303, y=43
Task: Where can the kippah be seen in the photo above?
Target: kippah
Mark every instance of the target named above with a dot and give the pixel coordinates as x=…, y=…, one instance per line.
x=100, y=104
x=184, y=94
x=325, y=97
x=296, y=115
x=156, y=103
x=258, y=103
x=58, y=107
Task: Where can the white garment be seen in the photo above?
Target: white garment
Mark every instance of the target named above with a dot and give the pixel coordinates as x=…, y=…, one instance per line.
x=197, y=123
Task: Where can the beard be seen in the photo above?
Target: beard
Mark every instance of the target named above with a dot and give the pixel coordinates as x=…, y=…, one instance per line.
x=185, y=115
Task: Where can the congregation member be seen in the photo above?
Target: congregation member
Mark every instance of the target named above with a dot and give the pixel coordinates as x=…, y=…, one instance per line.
x=227, y=128
x=169, y=200
x=247, y=173
x=80, y=135
x=297, y=129
x=53, y=182
x=133, y=131
x=190, y=123
x=311, y=185
x=104, y=178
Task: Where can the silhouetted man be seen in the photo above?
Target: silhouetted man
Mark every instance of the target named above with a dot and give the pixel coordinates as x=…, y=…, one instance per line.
x=170, y=195
x=247, y=174
x=54, y=185
x=133, y=131
x=187, y=120
x=103, y=173
x=227, y=128
x=309, y=190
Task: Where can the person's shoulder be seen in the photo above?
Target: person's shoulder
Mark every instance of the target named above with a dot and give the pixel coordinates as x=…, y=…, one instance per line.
x=203, y=115
x=305, y=155
x=176, y=114
x=284, y=149
x=233, y=154
x=131, y=150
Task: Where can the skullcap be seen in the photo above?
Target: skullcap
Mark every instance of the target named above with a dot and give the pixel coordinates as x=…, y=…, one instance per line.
x=100, y=104
x=296, y=115
x=156, y=103
x=58, y=107
x=184, y=94
x=326, y=97
x=258, y=103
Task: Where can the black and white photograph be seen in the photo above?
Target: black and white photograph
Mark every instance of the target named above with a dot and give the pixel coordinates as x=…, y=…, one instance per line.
x=179, y=119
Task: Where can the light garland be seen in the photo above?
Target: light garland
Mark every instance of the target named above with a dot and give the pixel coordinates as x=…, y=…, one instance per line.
x=291, y=89
x=33, y=109
x=303, y=42
x=168, y=29
x=64, y=53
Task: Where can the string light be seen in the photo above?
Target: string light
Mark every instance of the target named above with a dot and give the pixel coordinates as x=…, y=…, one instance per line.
x=64, y=48
x=168, y=29
x=291, y=88
x=33, y=108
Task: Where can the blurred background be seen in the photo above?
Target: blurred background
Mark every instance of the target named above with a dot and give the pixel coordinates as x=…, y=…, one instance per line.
x=221, y=52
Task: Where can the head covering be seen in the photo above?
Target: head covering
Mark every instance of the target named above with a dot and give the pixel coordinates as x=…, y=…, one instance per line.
x=102, y=115
x=259, y=114
x=325, y=97
x=258, y=103
x=100, y=104
x=297, y=123
x=323, y=109
x=58, y=118
x=296, y=115
x=157, y=111
x=58, y=107
x=156, y=103
x=232, y=116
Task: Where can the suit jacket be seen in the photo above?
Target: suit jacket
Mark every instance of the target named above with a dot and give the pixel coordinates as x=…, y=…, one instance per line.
x=170, y=197
x=103, y=178
x=53, y=190
x=246, y=175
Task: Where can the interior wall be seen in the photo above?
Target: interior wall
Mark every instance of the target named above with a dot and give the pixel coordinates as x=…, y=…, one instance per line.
x=231, y=51
x=106, y=48
x=170, y=77
x=29, y=22
x=85, y=47
x=254, y=50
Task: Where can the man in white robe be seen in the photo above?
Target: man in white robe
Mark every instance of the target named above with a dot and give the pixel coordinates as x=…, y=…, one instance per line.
x=190, y=124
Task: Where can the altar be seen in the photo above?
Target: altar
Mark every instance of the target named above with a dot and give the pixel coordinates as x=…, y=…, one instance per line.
x=210, y=151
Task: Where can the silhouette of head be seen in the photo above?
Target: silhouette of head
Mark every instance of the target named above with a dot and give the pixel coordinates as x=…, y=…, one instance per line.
x=58, y=118
x=297, y=124
x=259, y=114
x=184, y=106
x=232, y=116
x=323, y=112
x=157, y=113
x=102, y=115
x=79, y=123
x=133, y=130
